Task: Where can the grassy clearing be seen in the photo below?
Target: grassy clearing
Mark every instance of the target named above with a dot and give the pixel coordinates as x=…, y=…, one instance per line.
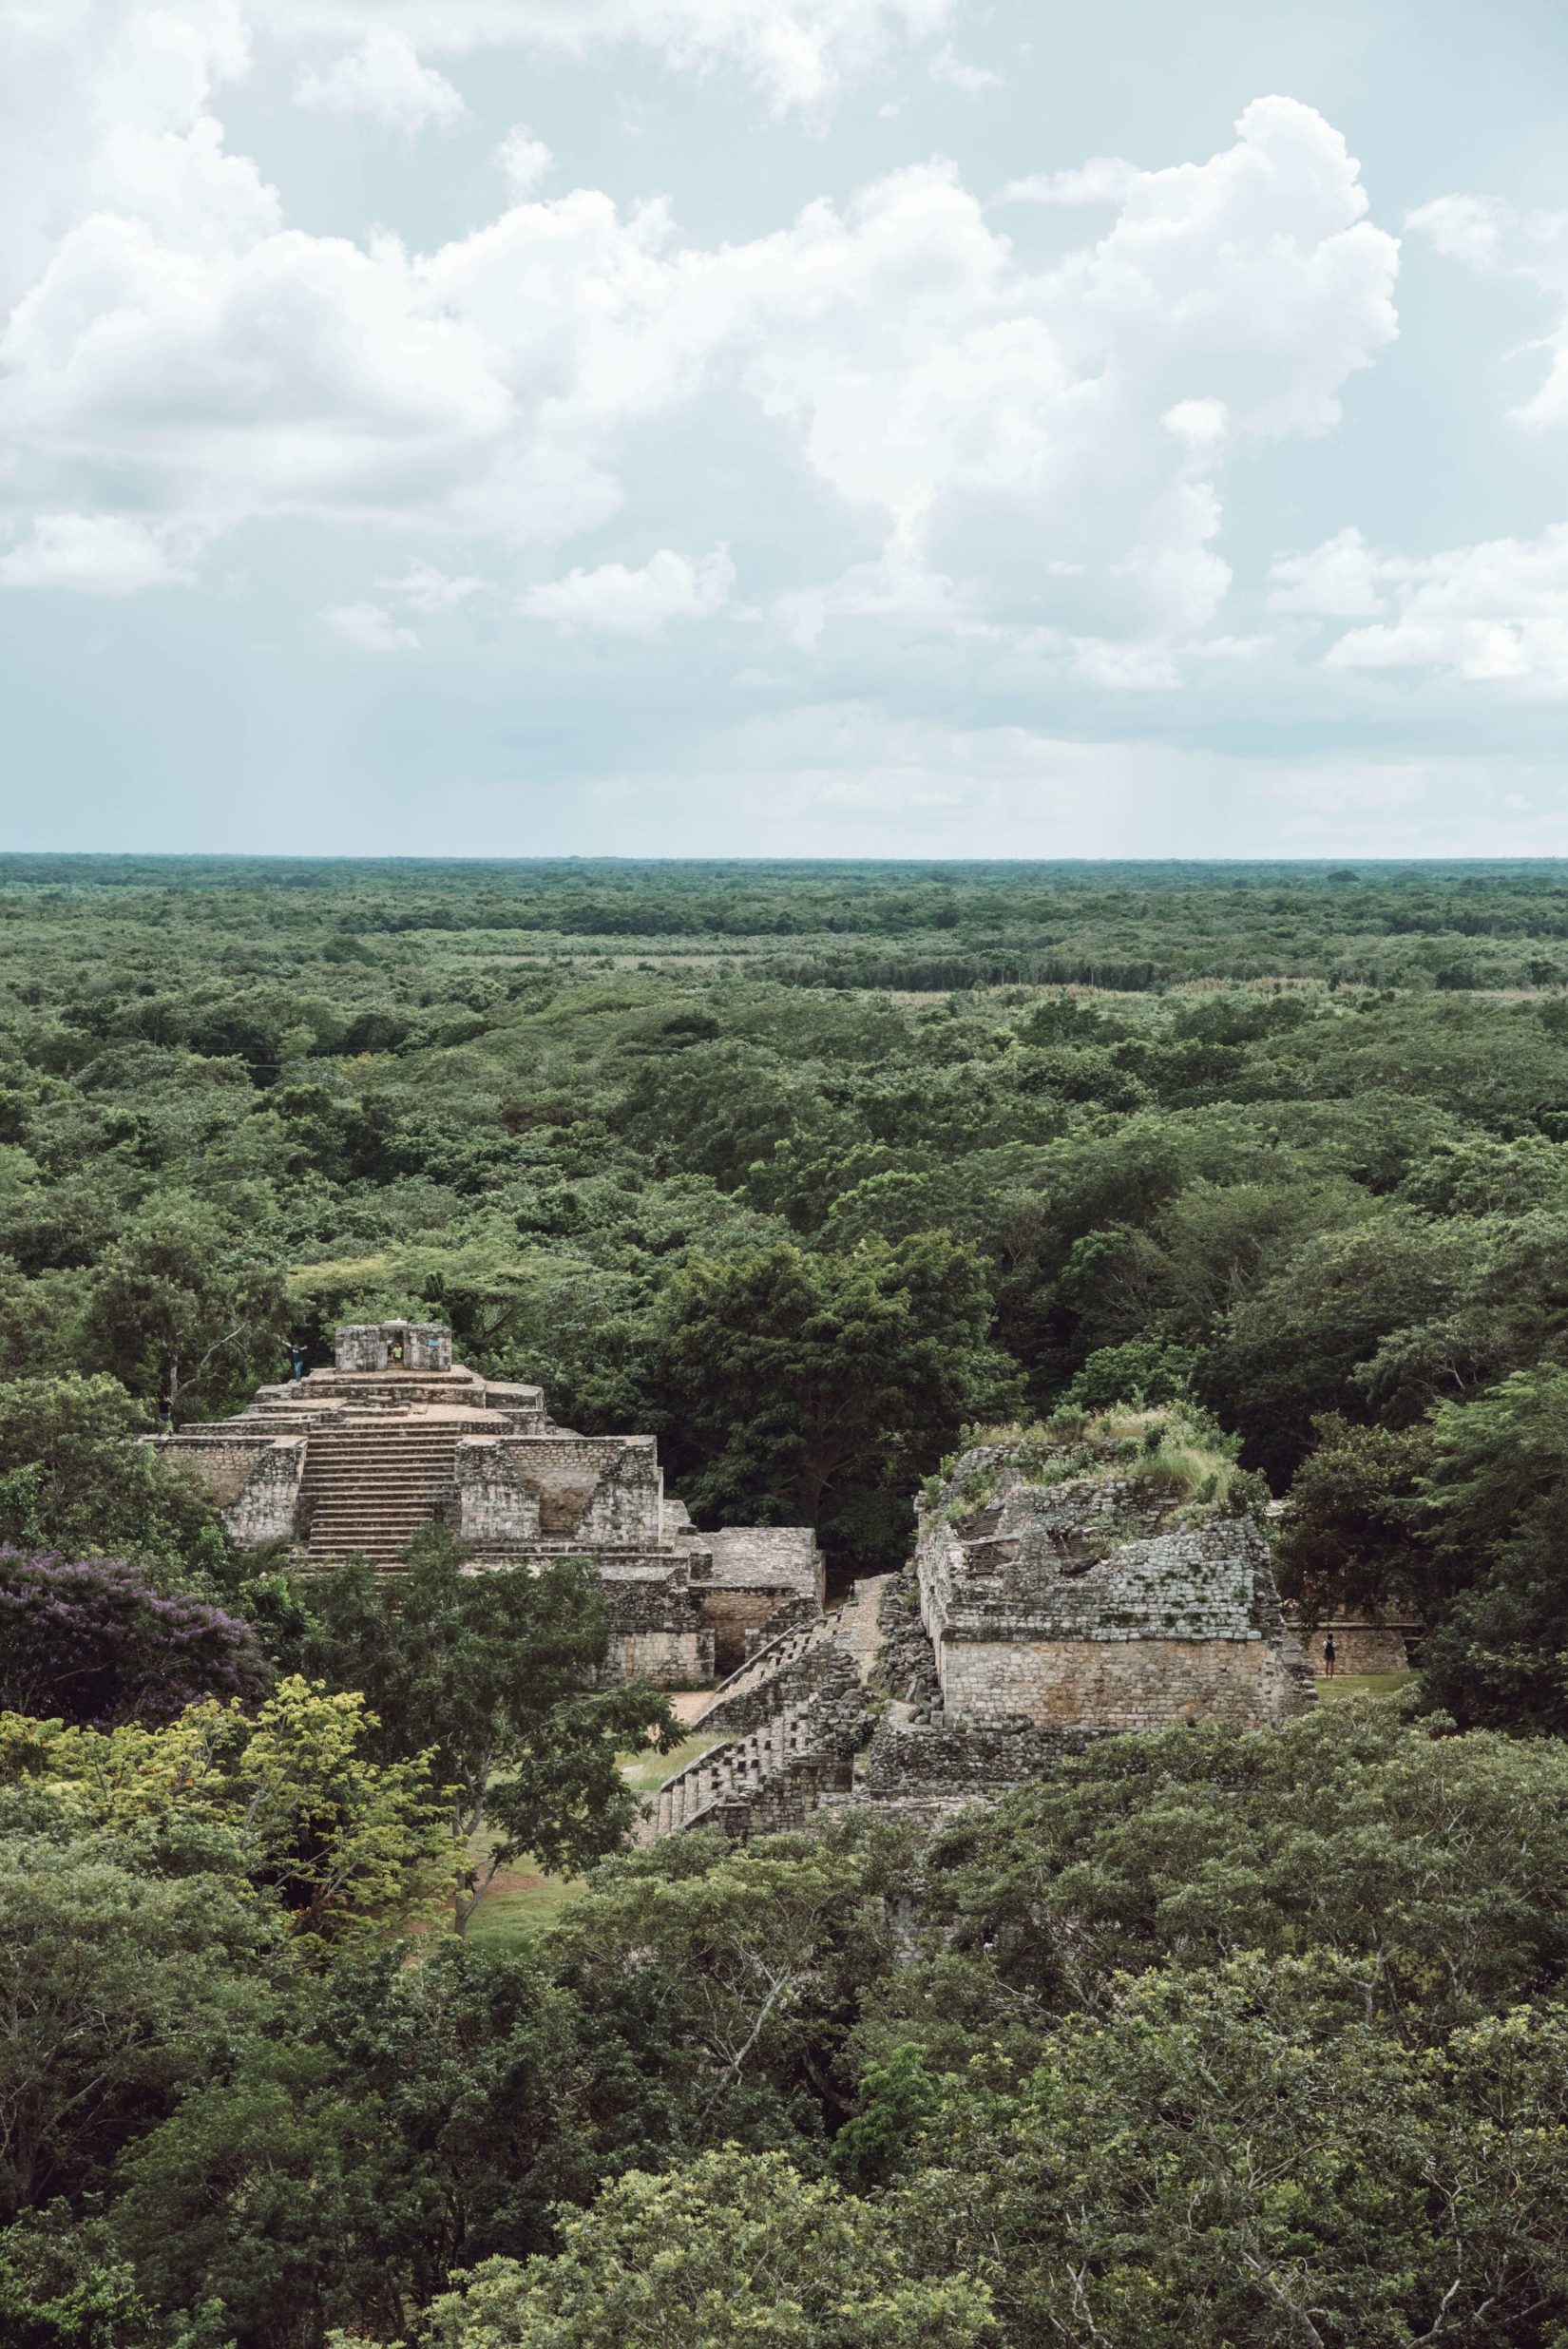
x=524, y=1901
x=647, y=1772
x=1362, y=1684
x=522, y=1904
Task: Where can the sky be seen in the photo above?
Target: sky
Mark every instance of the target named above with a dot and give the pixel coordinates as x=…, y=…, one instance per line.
x=784, y=427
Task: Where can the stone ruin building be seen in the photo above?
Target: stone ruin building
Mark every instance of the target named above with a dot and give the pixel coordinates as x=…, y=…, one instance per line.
x=1048, y=1604
x=355, y=1459
x=1055, y=1596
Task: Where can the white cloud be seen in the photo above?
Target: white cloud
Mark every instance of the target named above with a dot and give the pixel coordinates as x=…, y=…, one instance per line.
x=893, y=587
x=1491, y=238
x=1465, y=228
x=1336, y=581
x=613, y=601
x=1038, y=451
x=1103, y=179
x=1125, y=668
x=369, y=629
x=97, y=554
x=1017, y=429
x=425, y=589
x=524, y=160
x=84, y=84
x=972, y=81
x=383, y=78
x=1495, y=614
x=800, y=53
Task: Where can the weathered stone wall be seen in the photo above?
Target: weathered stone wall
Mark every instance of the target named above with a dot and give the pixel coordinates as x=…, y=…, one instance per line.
x=594, y=1489
x=906, y=1667
x=907, y=1759
x=788, y=1615
x=627, y=1504
x=253, y=1480
x=781, y=1557
x=1360, y=1646
x=1037, y=1612
x=793, y=1685
x=670, y=1659
x=1115, y=1684
x=655, y=1628
x=220, y=1463
x=736, y=1615
x=494, y=1503
x=266, y=1506
x=364, y=1345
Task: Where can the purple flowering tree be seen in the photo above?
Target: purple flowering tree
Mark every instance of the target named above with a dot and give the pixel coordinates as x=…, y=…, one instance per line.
x=94, y=1643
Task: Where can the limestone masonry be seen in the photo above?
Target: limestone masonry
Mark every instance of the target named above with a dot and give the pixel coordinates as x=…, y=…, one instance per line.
x=355, y=1459
x=1049, y=1603
x=1058, y=1593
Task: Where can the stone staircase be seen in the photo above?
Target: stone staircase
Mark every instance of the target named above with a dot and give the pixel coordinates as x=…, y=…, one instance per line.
x=369, y=1488
x=752, y=1691
x=794, y=1713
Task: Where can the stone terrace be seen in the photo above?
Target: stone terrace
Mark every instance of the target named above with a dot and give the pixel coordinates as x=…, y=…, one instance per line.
x=1053, y=1608
x=355, y=1459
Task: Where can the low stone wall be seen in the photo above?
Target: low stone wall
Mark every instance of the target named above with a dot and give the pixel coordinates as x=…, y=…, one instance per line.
x=671, y=1659
x=913, y=1761
x=1360, y=1646
x=1118, y=1684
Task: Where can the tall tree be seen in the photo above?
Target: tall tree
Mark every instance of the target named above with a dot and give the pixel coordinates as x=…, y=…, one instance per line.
x=1497, y=1536
x=819, y=1387
x=344, y=1843
x=185, y=1307
x=736, y=2251
x=72, y=1481
x=115, y=1991
x=492, y=1674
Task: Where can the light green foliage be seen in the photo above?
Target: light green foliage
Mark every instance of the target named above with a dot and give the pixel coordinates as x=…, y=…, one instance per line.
x=344, y=1844
x=63, y=2287
x=735, y=2249
x=1176, y=1457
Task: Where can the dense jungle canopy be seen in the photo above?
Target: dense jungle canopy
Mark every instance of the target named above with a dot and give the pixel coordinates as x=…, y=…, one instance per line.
x=1220, y=2039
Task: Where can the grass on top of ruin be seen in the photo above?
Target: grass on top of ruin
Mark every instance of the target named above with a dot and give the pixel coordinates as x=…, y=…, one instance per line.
x=1181, y=1456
